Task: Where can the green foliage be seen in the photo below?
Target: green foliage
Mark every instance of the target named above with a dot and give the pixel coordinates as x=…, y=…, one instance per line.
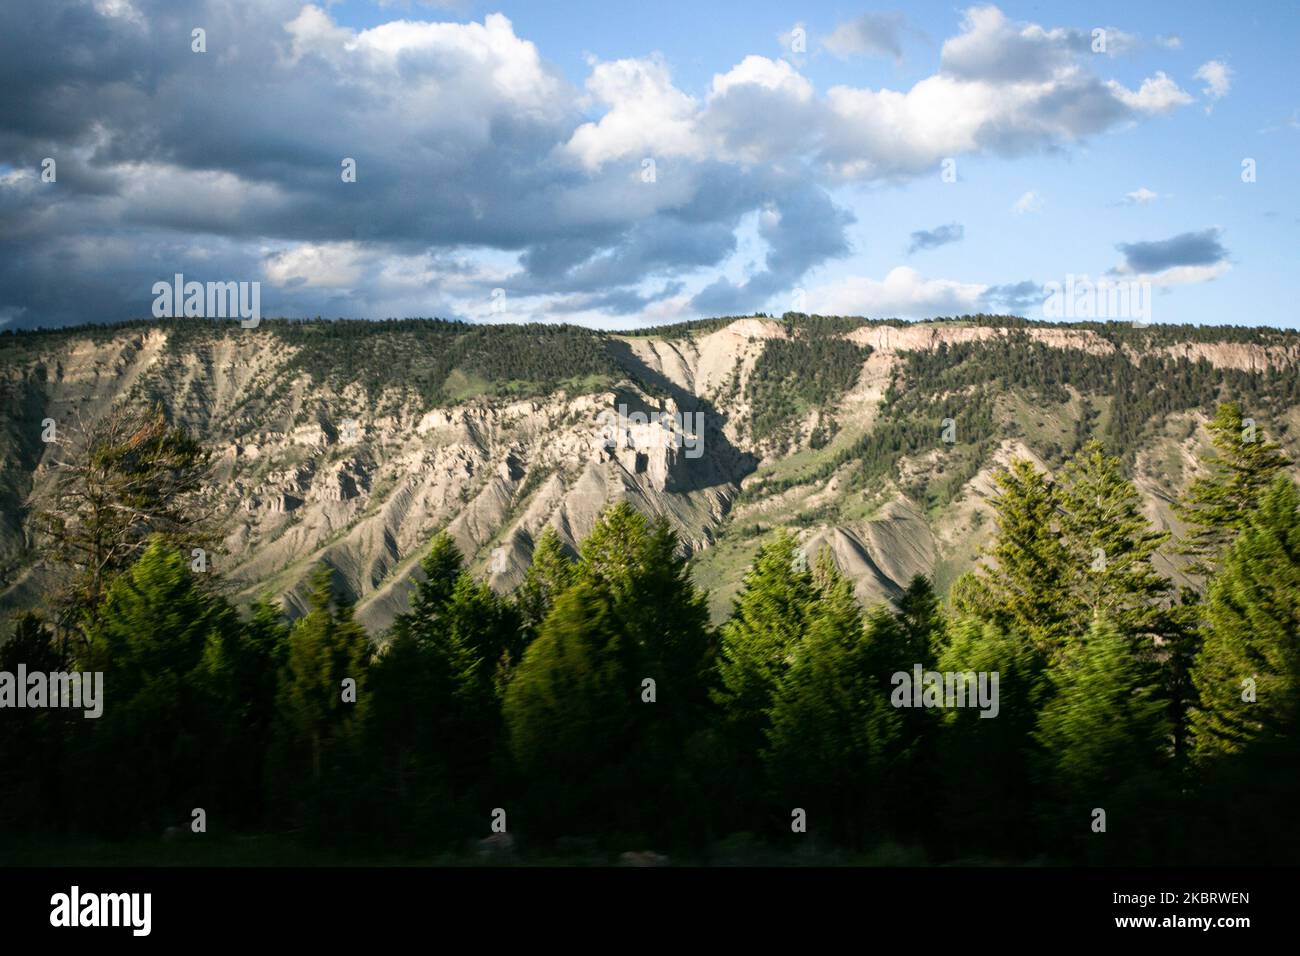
x=597, y=752
x=549, y=575
x=984, y=763
x=1241, y=469
x=1026, y=589
x=1105, y=739
x=1253, y=634
x=770, y=618
x=159, y=640
x=1109, y=546
x=793, y=375
x=317, y=728
x=831, y=723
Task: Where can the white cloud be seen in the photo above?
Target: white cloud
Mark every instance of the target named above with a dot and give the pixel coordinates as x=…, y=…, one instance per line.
x=332, y=265
x=1028, y=203
x=1141, y=197
x=1182, y=275
x=1218, y=79
x=647, y=115
x=904, y=293
x=1170, y=42
x=1158, y=94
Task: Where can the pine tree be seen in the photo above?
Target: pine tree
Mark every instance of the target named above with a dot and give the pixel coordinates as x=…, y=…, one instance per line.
x=984, y=763
x=1240, y=469
x=152, y=638
x=1026, y=591
x=1105, y=738
x=1252, y=644
x=549, y=574
x=770, y=619
x=569, y=715
x=1247, y=674
x=318, y=720
x=1110, y=546
x=831, y=722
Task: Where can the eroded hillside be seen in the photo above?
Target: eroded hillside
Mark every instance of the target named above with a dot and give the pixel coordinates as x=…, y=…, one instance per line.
x=352, y=444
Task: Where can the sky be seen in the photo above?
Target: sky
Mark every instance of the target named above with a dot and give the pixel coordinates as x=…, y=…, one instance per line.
x=624, y=164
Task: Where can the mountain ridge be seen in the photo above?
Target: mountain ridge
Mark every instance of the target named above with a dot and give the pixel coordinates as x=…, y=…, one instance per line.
x=353, y=446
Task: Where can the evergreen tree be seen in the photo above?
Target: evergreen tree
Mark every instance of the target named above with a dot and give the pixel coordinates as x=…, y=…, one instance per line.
x=1026, y=592
x=1247, y=674
x=985, y=762
x=1110, y=546
x=150, y=751
x=831, y=723
x=549, y=574
x=770, y=618
x=1253, y=634
x=1240, y=469
x=32, y=750
x=630, y=640
x=1105, y=739
x=318, y=719
x=570, y=719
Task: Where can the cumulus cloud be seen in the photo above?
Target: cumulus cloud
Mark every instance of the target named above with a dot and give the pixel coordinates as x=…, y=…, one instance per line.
x=479, y=165
x=1218, y=79
x=903, y=293
x=938, y=236
x=1140, y=197
x=1157, y=95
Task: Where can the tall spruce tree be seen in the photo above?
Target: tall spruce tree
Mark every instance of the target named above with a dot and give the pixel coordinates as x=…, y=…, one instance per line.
x=1248, y=671
x=549, y=574
x=769, y=620
x=1247, y=674
x=1026, y=590
x=319, y=720
x=832, y=728
x=1242, y=465
x=984, y=762
x=608, y=696
x=156, y=638
x=1110, y=545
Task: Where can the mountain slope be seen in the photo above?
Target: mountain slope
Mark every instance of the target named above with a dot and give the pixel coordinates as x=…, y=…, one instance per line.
x=352, y=443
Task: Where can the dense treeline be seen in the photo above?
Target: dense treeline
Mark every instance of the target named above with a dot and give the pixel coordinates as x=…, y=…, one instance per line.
x=596, y=706
x=811, y=369
x=964, y=382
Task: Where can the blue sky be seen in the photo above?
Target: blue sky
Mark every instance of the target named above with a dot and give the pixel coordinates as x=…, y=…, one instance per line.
x=502, y=154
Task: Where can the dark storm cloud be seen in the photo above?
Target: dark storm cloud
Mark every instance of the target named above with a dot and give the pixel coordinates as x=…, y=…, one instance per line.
x=802, y=228
x=214, y=164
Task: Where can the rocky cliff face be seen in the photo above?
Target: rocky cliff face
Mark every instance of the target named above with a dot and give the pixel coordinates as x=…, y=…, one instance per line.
x=307, y=472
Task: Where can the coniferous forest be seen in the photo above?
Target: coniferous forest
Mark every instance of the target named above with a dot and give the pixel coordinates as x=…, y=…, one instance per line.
x=596, y=710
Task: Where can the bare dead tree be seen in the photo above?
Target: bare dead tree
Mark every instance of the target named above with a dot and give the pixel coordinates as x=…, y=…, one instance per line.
x=118, y=481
